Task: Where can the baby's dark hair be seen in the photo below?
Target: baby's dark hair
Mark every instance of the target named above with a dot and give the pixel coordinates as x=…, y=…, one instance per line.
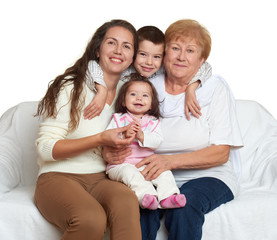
x=136, y=77
x=150, y=33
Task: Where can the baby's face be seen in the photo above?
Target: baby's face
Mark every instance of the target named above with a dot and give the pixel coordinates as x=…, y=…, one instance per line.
x=149, y=58
x=138, y=98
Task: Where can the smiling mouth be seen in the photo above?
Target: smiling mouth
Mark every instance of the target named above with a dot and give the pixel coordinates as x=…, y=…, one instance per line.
x=179, y=65
x=147, y=69
x=116, y=60
x=138, y=105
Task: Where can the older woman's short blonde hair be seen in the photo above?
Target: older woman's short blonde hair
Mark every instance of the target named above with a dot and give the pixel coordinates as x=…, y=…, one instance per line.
x=188, y=28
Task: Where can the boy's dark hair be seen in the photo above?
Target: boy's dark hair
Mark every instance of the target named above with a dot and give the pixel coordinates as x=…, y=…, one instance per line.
x=150, y=33
x=136, y=77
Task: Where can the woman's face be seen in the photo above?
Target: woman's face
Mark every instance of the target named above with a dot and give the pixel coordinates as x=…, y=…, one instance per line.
x=116, y=50
x=182, y=59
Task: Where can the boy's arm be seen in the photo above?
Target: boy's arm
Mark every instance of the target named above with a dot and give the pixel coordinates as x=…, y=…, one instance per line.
x=191, y=103
x=97, y=104
x=94, y=74
x=95, y=82
x=203, y=74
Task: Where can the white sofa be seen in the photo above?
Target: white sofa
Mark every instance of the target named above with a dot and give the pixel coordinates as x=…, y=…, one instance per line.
x=252, y=215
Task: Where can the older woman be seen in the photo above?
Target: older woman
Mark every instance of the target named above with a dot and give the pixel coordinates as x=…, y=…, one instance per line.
x=73, y=191
x=200, y=152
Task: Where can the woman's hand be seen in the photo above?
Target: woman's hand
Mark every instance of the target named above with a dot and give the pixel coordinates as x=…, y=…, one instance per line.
x=114, y=155
x=156, y=164
x=112, y=138
x=66, y=148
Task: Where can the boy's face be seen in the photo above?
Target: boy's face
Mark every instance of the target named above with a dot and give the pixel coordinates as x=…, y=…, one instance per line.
x=149, y=58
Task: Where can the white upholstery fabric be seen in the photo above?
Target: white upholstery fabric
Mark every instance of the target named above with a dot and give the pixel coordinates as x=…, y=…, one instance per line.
x=252, y=215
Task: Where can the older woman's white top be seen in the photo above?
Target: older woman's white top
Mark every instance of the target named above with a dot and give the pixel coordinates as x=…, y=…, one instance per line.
x=217, y=126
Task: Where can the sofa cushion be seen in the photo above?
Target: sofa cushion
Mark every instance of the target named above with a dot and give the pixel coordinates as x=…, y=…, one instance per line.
x=20, y=219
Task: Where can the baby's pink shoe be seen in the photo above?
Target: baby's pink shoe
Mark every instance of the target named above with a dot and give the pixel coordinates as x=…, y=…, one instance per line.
x=149, y=202
x=174, y=201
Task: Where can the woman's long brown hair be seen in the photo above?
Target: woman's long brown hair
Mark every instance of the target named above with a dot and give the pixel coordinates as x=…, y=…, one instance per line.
x=77, y=75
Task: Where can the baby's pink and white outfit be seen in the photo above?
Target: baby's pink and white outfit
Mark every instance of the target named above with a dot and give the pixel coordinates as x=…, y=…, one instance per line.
x=127, y=171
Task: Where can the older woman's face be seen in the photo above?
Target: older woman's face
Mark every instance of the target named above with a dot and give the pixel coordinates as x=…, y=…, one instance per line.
x=182, y=59
x=117, y=50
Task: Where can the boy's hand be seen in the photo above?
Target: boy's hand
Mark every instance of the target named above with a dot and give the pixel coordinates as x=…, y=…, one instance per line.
x=97, y=104
x=93, y=109
x=191, y=104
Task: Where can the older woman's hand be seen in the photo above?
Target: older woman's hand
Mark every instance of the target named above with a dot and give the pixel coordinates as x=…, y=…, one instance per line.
x=116, y=155
x=156, y=164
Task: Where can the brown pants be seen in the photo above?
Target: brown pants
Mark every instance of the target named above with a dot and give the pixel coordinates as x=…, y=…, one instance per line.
x=83, y=205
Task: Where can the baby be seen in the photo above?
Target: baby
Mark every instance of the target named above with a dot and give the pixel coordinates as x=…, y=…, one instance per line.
x=137, y=105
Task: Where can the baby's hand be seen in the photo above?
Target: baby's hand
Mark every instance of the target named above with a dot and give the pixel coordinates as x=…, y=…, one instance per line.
x=139, y=133
x=97, y=104
x=132, y=130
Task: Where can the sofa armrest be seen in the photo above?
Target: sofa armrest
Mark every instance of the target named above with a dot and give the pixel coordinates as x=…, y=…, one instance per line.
x=18, y=132
x=259, y=154
x=9, y=167
x=10, y=153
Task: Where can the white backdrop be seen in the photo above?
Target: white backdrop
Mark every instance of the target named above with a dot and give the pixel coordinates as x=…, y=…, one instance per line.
x=40, y=39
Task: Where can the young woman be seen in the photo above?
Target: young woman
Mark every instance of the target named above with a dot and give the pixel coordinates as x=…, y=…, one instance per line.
x=73, y=191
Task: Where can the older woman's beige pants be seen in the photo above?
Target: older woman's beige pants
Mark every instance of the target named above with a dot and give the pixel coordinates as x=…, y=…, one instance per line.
x=83, y=205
